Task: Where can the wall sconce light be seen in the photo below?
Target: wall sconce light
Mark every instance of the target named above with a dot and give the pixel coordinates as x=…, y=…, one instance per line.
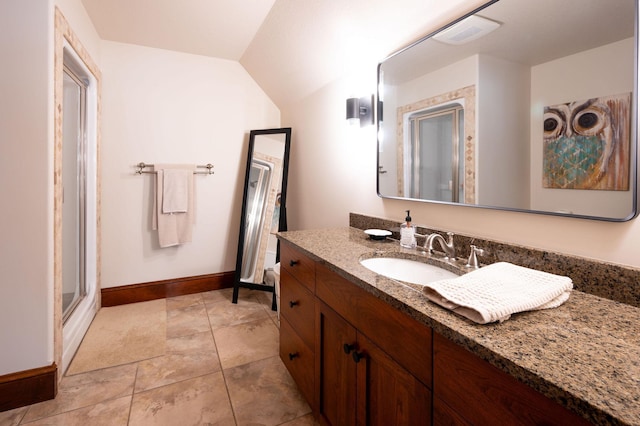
x=360, y=110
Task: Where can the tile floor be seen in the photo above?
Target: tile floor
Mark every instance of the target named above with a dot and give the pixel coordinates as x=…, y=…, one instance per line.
x=221, y=367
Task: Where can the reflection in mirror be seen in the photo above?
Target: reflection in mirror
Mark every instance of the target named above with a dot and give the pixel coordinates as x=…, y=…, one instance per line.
x=263, y=208
x=468, y=121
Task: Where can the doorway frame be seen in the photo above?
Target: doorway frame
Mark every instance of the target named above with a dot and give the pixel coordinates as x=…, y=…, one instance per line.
x=64, y=34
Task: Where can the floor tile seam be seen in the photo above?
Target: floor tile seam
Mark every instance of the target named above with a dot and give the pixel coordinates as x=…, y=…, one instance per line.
x=251, y=362
x=188, y=353
x=275, y=322
x=215, y=369
x=105, y=368
x=215, y=344
x=234, y=408
x=116, y=366
x=233, y=323
x=224, y=377
x=23, y=414
x=210, y=373
x=75, y=408
x=231, y=404
x=131, y=402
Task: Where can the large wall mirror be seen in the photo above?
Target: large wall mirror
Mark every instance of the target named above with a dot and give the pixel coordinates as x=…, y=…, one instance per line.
x=263, y=208
x=520, y=105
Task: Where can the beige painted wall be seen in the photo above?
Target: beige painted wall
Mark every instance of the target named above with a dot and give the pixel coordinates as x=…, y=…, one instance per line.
x=161, y=106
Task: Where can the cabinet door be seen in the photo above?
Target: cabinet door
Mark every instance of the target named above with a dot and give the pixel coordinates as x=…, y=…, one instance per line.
x=335, y=368
x=386, y=393
x=401, y=337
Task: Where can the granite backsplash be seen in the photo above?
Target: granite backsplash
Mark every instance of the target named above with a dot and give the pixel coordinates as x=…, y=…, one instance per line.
x=607, y=280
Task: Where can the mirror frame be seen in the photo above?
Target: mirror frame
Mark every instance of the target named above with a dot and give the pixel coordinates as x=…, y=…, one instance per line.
x=634, y=131
x=282, y=220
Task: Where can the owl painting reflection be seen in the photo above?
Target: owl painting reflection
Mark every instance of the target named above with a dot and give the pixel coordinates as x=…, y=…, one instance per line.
x=586, y=144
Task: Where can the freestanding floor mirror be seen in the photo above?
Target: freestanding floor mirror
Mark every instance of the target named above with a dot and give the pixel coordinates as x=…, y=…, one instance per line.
x=264, y=209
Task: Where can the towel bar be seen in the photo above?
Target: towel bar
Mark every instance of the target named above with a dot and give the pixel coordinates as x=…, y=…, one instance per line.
x=141, y=166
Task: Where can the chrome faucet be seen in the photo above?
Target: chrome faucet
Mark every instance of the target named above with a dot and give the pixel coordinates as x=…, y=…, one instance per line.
x=447, y=246
x=472, y=263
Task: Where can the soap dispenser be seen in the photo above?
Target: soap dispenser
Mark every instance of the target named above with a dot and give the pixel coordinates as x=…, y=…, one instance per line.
x=408, y=233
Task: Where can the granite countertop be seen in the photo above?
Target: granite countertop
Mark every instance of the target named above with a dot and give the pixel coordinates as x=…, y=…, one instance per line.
x=584, y=354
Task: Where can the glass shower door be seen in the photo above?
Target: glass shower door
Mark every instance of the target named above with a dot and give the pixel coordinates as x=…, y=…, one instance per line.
x=435, y=166
x=74, y=189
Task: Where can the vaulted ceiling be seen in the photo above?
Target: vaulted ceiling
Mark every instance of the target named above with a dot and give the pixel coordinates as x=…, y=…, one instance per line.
x=290, y=47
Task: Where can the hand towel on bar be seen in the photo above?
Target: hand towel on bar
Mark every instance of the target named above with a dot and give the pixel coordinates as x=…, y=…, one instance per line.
x=496, y=291
x=173, y=228
x=175, y=190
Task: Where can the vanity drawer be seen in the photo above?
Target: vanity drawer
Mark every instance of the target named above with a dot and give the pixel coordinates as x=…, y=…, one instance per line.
x=298, y=359
x=406, y=340
x=297, y=306
x=298, y=265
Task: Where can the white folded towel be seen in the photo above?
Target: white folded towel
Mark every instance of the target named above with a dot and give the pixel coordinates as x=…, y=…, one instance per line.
x=496, y=291
x=175, y=190
x=176, y=227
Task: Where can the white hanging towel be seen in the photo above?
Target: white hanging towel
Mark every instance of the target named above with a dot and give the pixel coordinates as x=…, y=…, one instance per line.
x=175, y=190
x=175, y=225
x=496, y=291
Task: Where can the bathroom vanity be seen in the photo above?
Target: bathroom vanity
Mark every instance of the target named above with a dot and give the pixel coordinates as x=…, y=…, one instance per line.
x=365, y=349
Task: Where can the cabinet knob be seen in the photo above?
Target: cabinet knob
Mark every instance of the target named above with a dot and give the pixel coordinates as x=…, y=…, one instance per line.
x=293, y=356
x=293, y=303
x=348, y=347
x=357, y=356
x=293, y=262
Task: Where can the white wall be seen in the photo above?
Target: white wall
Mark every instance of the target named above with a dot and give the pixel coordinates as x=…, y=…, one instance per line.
x=161, y=106
x=26, y=189
x=602, y=71
x=502, y=120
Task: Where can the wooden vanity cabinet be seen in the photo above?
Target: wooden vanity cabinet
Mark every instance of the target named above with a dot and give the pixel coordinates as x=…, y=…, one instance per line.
x=355, y=359
x=470, y=391
x=358, y=361
x=297, y=319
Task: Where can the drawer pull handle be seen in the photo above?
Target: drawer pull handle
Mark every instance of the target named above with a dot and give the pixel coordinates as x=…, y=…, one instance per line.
x=294, y=262
x=293, y=303
x=348, y=347
x=293, y=356
x=357, y=356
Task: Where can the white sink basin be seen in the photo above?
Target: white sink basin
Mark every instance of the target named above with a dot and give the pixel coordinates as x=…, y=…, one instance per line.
x=407, y=270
